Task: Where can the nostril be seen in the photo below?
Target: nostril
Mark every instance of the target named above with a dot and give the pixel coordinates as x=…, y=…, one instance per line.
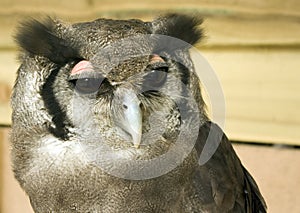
x=125, y=106
x=141, y=106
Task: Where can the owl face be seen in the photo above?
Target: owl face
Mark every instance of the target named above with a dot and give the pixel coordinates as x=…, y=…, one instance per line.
x=116, y=94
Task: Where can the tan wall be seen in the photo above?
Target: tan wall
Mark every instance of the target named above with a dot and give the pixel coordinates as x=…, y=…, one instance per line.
x=253, y=46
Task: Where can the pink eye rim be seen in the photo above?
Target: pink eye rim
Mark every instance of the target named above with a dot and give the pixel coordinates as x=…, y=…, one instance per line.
x=82, y=66
x=155, y=58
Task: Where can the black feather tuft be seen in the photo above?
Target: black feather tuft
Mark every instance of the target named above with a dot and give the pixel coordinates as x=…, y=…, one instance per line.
x=38, y=38
x=183, y=27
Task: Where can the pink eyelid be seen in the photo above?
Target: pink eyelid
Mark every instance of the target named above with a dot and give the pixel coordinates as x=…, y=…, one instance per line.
x=156, y=58
x=82, y=66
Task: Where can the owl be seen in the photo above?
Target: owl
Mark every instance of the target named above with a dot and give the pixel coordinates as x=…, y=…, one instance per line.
x=108, y=116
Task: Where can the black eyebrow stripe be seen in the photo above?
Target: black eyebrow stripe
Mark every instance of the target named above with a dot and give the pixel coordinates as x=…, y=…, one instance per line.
x=59, y=116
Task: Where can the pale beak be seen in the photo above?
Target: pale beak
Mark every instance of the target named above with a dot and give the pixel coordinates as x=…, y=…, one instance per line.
x=130, y=115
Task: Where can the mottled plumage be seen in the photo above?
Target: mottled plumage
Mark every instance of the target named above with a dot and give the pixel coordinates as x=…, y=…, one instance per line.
x=108, y=117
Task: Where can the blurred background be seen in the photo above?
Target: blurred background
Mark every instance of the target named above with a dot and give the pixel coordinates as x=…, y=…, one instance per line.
x=254, y=48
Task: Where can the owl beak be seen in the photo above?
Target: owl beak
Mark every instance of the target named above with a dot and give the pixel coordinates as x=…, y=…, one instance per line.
x=132, y=112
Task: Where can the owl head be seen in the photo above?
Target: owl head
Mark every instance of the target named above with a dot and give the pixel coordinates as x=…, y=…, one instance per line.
x=107, y=92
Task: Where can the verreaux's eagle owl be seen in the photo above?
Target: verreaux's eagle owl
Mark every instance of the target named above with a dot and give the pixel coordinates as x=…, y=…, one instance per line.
x=108, y=116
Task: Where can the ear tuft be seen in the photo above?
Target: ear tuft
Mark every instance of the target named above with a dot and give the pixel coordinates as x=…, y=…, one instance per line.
x=38, y=38
x=183, y=27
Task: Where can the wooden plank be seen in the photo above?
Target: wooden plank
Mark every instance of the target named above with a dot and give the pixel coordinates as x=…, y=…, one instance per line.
x=270, y=6
x=8, y=69
x=252, y=30
x=227, y=23
x=261, y=93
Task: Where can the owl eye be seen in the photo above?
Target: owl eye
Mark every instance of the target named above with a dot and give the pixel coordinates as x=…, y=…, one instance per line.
x=87, y=85
x=85, y=80
x=155, y=79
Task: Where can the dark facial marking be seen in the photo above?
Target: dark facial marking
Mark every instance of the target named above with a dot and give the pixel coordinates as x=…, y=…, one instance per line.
x=59, y=116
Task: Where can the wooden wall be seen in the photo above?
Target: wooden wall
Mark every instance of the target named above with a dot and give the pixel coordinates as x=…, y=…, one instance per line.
x=252, y=45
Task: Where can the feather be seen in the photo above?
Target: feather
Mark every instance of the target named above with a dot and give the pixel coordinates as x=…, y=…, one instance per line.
x=254, y=200
x=38, y=38
x=183, y=27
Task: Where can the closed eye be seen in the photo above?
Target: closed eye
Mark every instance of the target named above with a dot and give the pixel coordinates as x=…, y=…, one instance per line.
x=87, y=85
x=157, y=74
x=86, y=80
x=154, y=80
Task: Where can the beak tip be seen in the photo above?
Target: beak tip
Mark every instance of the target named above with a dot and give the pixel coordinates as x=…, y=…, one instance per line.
x=137, y=146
